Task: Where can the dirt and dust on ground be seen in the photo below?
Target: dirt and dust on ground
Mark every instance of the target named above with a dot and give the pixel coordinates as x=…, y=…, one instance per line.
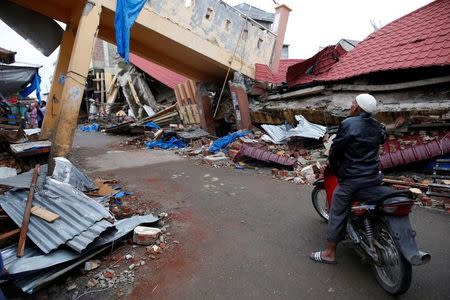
x=223, y=226
x=415, y=159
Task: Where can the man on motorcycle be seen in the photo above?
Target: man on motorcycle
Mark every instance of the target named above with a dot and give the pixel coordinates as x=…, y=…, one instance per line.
x=354, y=159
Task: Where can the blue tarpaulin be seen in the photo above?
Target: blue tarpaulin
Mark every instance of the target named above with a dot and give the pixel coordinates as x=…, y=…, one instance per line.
x=172, y=143
x=221, y=143
x=90, y=128
x=35, y=85
x=122, y=194
x=126, y=13
x=151, y=125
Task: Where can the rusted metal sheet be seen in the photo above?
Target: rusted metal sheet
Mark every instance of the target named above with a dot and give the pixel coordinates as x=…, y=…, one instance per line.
x=418, y=152
x=266, y=156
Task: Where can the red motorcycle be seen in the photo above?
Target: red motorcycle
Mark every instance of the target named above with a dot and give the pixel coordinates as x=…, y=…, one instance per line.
x=378, y=228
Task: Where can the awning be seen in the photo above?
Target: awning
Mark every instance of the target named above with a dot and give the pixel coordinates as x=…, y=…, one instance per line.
x=6, y=56
x=14, y=78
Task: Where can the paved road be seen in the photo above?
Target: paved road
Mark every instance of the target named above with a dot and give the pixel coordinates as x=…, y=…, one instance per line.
x=244, y=235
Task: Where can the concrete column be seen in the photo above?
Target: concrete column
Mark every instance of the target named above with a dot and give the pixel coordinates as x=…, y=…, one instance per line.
x=74, y=84
x=240, y=102
x=204, y=108
x=279, y=27
x=54, y=97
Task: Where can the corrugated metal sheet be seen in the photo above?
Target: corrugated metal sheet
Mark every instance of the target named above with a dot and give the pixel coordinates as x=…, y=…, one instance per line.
x=24, y=180
x=77, y=213
x=281, y=133
x=267, y=156
x=81, y=241
x=66, y=172
x=35, y=260
x=36, y=269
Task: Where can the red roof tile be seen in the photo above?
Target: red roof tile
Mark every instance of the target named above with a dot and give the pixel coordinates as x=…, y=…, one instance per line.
x=418, y=39
x=163, y=75
x=263, y=73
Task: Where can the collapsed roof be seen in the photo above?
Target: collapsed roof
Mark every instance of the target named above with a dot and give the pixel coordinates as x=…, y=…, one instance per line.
x=419, y=39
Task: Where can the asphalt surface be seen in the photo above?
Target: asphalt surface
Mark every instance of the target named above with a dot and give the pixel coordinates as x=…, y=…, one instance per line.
x=244, y=235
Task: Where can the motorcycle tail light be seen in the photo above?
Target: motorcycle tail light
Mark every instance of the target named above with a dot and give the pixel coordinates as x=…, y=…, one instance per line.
x=361, y=210
x=398, y=209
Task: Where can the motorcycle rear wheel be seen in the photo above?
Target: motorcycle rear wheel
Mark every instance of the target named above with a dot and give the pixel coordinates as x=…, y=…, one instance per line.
x=320, y=203
x=395, y=272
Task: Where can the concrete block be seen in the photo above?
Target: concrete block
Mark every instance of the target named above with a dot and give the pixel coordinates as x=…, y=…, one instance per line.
x=145, y=235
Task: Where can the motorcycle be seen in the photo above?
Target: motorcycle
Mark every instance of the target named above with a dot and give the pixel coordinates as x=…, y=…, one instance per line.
x=378, y=228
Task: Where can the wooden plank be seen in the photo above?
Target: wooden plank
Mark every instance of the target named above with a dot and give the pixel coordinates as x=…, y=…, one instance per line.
x=159, y=114
x=111, y=98
x=112, y=84
x=404, y=183
x=182, y=111
x=193, y=87
x=9, y=234
x=187, y=102
x=180, y=107
x=108, y=80
x=189, y=93
x=195, y=113
x=177, y=94
x=44, y=214
x=26, y=214
x=133, y=92
x=183, y=93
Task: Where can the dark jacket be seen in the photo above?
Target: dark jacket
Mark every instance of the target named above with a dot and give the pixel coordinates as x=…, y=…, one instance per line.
x=354, y=152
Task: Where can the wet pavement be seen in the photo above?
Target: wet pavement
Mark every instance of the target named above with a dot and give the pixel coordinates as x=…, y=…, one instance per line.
x=244, y=235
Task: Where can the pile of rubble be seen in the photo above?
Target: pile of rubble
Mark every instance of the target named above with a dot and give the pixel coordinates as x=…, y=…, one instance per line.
x=64, y=220
x=299, y=154
x=121, y=270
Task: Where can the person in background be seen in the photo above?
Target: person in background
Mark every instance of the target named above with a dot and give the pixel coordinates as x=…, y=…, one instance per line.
x=40, y=114
x=33, y=114
x=43, y=107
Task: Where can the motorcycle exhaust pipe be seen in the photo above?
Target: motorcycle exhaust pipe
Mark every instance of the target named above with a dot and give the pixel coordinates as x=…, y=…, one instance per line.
x=420, y=259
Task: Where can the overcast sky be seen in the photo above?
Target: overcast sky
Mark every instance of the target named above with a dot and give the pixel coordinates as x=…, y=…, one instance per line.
x=312, y=24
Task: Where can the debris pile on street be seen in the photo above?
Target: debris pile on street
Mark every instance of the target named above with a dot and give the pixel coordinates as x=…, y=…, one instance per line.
x=66, y=219
x=298, y=153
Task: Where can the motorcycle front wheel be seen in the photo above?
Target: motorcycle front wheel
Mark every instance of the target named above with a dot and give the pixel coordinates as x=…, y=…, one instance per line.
x=394, y=272
x=320, y=203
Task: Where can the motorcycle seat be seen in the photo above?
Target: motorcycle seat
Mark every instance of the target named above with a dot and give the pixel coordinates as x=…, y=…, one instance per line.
x=376, y=194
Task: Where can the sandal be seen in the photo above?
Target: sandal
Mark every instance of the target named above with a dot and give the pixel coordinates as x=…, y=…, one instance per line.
x=317, y=257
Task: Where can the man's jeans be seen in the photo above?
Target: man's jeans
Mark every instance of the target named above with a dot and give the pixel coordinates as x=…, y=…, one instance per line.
x=342, y=200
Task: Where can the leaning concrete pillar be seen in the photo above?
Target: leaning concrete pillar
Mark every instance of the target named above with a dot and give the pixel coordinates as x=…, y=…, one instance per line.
x=74, y=83
x=204, y=108
x=240, y=102
x=56, y=89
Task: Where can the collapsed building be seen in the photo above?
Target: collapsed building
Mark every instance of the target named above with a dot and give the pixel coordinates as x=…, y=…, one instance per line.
x=405, y=65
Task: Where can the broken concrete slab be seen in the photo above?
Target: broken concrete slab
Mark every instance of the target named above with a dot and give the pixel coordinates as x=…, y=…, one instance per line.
x=145, y=235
